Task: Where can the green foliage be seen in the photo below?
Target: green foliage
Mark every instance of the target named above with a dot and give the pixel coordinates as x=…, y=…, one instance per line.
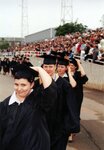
x=71, y=27
x=4, y=44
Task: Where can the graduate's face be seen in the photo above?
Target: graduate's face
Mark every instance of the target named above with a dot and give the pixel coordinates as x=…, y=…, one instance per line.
x=50, y=69
x=61, y=69
x=22, y=87
x=72, y=67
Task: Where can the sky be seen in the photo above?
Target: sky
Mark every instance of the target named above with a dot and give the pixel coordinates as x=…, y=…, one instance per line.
x=43, y=14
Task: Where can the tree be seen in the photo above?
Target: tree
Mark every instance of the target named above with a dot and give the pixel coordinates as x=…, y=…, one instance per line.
x=71, y=27
x=4, y=44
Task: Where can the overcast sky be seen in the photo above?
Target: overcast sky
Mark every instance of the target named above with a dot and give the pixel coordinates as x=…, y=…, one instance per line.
x=43, y=14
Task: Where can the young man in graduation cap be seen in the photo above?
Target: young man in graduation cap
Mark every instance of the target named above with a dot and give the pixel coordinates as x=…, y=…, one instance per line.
x=23, y=123
x=60, y=119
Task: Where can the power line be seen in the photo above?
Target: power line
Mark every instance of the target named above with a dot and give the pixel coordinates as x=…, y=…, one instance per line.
x=24, y=19
x=66, y=11
x=102, y=20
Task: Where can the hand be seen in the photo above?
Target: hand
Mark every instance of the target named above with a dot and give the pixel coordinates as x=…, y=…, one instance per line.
x=78, y=62
x=36, y=68
x=69, y=70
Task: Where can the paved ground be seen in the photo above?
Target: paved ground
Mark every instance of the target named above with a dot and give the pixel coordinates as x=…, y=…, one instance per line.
x=6, y=86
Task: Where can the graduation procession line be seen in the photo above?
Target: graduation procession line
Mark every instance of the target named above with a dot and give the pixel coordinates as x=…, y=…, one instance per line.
x=86, y=139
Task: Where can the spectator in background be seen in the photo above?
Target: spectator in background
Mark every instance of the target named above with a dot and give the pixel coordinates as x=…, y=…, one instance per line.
x=6, y=66
x=0, y=65
x=101, y=55
x=13, y=63
x=90, y=53
x=95, y=53
x=102, y=43
x=27, y=62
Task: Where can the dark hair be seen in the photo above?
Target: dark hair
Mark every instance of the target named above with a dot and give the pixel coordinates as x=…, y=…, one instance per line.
x=25, y=72
x=74, y=62
x=24, y=75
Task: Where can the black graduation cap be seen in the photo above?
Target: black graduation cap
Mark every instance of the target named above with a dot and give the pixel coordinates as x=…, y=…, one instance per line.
x=49, y=59
x=54, y=53
x=61, y=54
x=63, y=61
x=23, y=71
x=60, y=58
x=74, y=62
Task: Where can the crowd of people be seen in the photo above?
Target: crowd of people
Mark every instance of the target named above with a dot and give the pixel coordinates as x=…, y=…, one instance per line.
x=7, y=65
x=87, y=45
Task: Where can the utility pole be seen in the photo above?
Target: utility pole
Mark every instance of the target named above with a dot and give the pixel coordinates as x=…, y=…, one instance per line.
x=24, y=19
x=66, y=11
x=102, y=20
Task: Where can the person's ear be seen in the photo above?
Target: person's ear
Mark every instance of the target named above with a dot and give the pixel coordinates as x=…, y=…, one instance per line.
x=32, y=85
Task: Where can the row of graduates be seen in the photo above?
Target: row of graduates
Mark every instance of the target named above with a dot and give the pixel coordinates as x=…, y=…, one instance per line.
x=49, y=112
x=69, y=76
x=7, y=65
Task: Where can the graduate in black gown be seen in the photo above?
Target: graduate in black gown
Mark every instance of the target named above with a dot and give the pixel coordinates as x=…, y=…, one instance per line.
x=61, y=119
x=23, y=123
x=63, y=68
x=81, y=78
x=64, y=71
x=77, y=78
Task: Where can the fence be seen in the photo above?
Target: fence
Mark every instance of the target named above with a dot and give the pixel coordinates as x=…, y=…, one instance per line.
x=95, y=73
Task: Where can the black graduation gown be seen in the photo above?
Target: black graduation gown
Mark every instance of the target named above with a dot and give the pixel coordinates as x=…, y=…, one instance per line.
x=24, y=127
x=13, y=63
x=0, y=65
x=78, y=90
x=6, y=66
x=78, y=96
x=61, y=119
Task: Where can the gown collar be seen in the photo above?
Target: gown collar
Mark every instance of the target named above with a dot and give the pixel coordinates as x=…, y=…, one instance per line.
x=14, y=99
